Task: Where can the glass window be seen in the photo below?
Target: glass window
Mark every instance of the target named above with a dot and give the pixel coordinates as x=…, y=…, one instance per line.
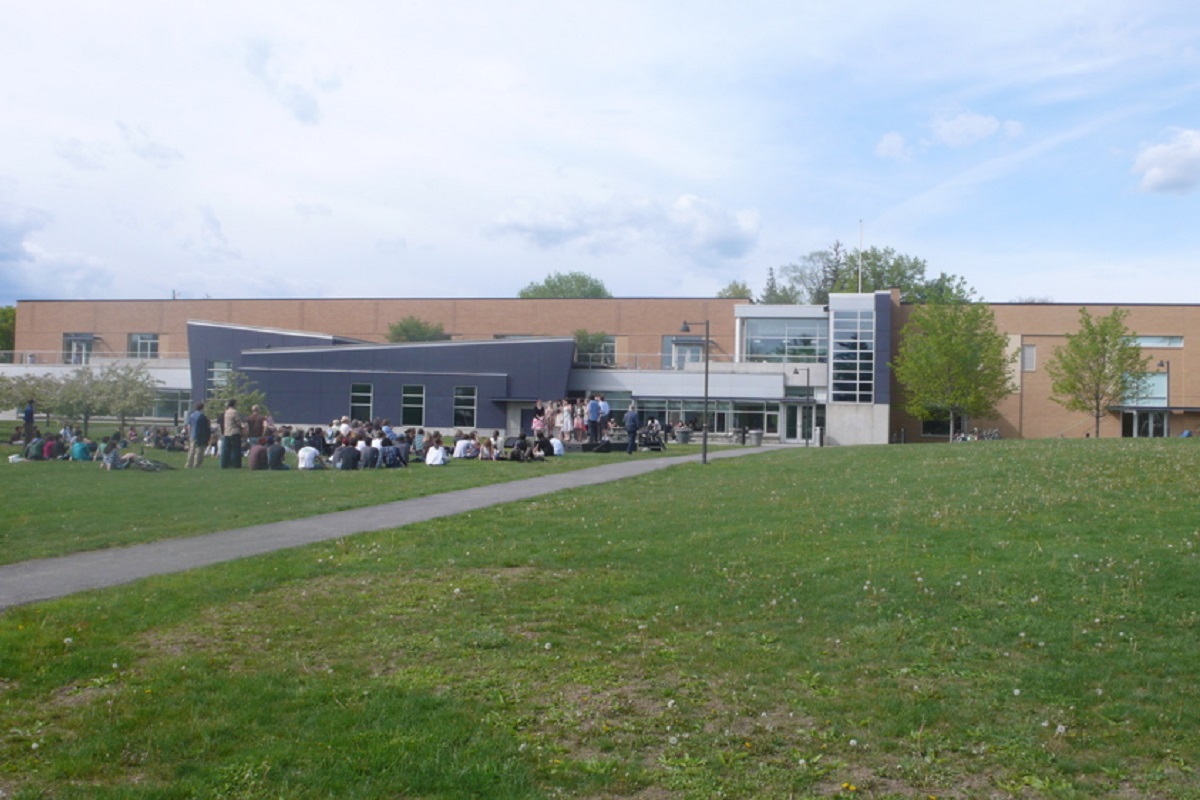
x=77, y=347
x=1154, y=391
x=464, y=406
x=1029, y=357
x=216, y=376
x=787, y=340
x=143, y=345
x=936, y=427
x=361, y=397
x=686, y=353
x=853, y=370
x=172, y=404
x=1159, y=341
x=412, y=405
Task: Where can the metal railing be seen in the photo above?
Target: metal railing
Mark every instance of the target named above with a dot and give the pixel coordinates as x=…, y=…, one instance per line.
x=93, y=359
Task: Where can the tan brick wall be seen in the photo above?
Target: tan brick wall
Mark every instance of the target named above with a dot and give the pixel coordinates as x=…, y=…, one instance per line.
x=1030, y=413
x=638, y=323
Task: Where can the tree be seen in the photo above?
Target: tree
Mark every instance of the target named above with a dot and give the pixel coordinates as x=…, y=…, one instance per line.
x=127, y=390
x=415, y=329
x=79, y=397
x=1098, y=367
x=592, y=348
x=736, y=290
x=952, y=362
x=239, y=387
x=774, y=294
x=570, y=284
x=8, y=333
x=824, y=272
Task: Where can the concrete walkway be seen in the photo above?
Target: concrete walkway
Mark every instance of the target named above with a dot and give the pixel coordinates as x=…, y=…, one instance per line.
x=49, y=578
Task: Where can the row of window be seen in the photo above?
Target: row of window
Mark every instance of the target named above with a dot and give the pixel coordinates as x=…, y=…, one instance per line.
x=362, y=398
x=77, y=347
x=412, y=404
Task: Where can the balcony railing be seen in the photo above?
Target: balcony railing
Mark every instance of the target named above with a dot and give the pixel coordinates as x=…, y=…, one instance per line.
x=94, y=359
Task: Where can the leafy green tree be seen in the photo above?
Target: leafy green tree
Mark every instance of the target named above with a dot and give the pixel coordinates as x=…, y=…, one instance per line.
x=239, y=387
x=837, y=270
x=736, y=290
x=592, y=347
x=42, y=389
x=126, y=390
x=778, y=295
x=816, y=274
x=79, y=397
x=8, y=333
x=953, y=362
x=1100, y=366
x=569, y=285
x=415, y=329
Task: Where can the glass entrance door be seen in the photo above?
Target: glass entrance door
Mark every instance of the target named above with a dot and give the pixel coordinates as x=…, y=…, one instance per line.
x=1144, y=424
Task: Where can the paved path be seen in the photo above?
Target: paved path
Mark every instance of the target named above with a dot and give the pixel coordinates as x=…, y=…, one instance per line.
x=48, y=578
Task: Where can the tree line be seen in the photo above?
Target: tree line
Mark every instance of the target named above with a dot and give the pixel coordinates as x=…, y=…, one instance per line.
x=116, y=390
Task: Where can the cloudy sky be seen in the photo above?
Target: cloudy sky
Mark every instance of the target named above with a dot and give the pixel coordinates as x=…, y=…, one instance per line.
x=465, y=149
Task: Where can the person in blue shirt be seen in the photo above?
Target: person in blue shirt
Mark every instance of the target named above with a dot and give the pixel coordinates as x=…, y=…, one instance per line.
x=633, y=423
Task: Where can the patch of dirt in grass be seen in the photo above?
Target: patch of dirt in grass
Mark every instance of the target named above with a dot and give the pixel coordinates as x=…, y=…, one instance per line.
x=80, y=695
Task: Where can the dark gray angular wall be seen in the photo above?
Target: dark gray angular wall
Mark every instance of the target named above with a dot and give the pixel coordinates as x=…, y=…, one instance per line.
x=312, y=384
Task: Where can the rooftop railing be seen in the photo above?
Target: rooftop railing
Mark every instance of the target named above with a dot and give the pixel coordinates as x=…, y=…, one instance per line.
x=60, y=358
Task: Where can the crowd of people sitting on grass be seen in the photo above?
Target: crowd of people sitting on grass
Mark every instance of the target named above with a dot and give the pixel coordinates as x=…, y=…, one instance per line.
x=345, y=444
x=353, y=444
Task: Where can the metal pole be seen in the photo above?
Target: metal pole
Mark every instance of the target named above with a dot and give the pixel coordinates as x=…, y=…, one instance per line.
x=704, y=436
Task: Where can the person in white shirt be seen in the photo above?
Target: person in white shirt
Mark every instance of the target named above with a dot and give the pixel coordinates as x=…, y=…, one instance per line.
x=435, y=456
x=310, y=458
x=557, y=445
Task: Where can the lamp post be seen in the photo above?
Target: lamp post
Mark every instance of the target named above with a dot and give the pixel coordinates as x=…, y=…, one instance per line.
x=686, y=328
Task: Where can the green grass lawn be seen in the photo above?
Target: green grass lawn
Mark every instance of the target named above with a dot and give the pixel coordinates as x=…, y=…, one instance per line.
x=995, y=619
x=58, y=507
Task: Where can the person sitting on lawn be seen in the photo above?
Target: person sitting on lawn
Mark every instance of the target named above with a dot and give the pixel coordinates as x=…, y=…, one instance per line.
x=112, y=457
x=257, y=457
x=487, y=451
x=34, y=448
x=81, y=449
x=309, y=457
x=347, y=456
x=391, y=455
x=435, y=453
x=275, y=454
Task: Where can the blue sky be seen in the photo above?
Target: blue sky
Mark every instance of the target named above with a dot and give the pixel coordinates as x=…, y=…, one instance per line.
x=466, y=149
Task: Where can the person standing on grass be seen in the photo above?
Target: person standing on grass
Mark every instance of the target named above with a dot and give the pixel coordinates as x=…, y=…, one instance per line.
x=28, y=419
x=593, y=418
x=199, y=432
x=633, y=424
x=231, y=437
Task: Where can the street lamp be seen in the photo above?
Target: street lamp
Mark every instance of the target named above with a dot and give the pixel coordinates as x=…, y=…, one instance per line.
x=686, y=328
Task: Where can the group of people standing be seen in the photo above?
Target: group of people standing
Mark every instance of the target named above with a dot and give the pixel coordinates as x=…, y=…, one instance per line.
x=584, y=420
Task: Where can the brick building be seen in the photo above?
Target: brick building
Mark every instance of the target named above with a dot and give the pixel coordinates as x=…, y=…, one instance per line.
x=799, y=373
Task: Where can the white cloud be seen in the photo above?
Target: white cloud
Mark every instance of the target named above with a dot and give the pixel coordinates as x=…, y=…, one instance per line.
x=701, y=229
x=145, y=147
x=1173, y=167
x=706, y=231
x=263, y=64
x=964, y=129
x=893, y=145
x=80, y=154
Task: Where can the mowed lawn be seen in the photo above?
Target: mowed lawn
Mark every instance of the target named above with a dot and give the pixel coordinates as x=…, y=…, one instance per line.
x=53, y=508
x=992, y=619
